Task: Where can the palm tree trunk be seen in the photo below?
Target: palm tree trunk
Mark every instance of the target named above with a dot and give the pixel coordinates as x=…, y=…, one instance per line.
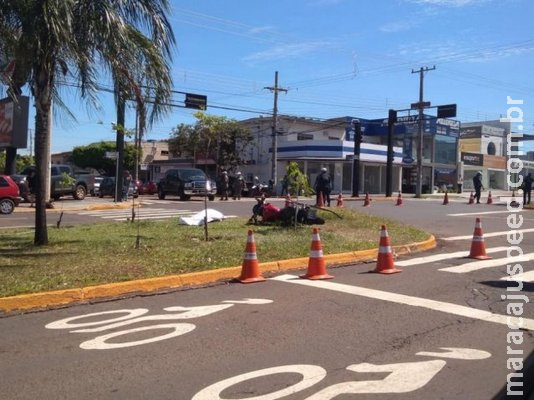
x=43, y=103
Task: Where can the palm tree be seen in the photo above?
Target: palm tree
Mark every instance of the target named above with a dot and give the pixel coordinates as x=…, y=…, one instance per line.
x=128, y=41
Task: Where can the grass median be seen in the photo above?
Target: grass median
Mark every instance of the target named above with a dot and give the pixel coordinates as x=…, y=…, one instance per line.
x=85, y=255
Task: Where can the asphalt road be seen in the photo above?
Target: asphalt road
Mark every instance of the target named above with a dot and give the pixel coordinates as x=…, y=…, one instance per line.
x=437, y=330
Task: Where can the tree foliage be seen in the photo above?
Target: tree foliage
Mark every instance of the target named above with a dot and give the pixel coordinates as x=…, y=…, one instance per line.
x=215, y=137
x=22, y=161
x=85, y=41
x=94, y=156
x=298, y=183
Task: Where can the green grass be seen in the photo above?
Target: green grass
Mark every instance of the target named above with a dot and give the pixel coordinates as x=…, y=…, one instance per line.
x=85, y=255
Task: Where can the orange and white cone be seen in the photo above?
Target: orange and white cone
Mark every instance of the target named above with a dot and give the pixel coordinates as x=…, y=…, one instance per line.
x=320, y=200
x=384, y=262
x=250, y=270
x=367, y=200
x=316, y=262
x=478, y=248
x=471, y=199
x=399, y=200
x=340, y=200
x=445, y=199
x=490, y=200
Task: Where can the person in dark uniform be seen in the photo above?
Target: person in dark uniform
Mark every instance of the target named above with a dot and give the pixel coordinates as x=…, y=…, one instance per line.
x=225, y=180
x=527, y=188
x=477, y=183
x=323, y=187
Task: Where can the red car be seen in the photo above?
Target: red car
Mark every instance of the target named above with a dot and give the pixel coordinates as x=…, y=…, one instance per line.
x=148, y=188
x=9, y=195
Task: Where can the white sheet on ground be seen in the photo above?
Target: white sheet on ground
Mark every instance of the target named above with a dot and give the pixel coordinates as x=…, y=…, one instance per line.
x=198, y=218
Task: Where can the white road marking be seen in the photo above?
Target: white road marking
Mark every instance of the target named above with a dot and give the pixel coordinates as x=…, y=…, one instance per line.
x=486, y=235
x=409, y=300
x=525, y=277
x=482, y=264
x=445, y=256
x=480, y=213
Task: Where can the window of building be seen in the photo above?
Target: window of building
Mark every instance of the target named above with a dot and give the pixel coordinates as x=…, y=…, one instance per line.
x=445, y=150
x=304, y=136
x=491, y=149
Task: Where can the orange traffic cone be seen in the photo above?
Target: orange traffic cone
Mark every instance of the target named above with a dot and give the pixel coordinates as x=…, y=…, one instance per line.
x=250, y=271
x=384, y=262
x=288, y=200
x=316, y=262
x=399, y=200
x=445, y=199
x=320, y=200
x=471, y=199
x=367, y=200
x=478, y=248
x=490, y=200
x=340, y=200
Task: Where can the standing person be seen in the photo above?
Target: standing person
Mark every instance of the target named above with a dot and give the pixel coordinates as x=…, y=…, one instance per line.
x=224, y=185
x=460, y=183
x=323, y=186
x=527, y=188
x=127, y=179
x=238, y=185
x=477, y=183
x=285, y=184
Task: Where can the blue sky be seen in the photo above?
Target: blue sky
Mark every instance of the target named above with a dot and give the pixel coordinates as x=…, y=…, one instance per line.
x=337, y=58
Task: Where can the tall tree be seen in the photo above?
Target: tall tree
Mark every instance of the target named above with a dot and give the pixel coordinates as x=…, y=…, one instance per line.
x=215, y=137
x=94, y=156
x=127, y=40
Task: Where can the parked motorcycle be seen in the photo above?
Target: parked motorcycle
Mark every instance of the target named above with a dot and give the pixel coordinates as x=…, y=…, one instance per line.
x=259, y=189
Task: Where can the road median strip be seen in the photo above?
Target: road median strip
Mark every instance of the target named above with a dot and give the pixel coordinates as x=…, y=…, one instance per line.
x=59, y=298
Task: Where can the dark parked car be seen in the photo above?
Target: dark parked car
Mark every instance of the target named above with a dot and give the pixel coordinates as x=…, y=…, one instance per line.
x=186, y=182
x=9, y=195
x=107, y=188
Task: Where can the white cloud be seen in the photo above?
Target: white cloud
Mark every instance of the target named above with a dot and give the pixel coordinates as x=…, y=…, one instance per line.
x=398, y=26
x=286, y=51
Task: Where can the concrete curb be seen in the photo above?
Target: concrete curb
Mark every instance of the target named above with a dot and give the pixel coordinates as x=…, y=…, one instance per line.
x=59, y=298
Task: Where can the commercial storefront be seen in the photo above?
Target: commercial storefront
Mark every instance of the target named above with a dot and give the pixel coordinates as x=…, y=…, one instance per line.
x=439, y=150
x=337, y=156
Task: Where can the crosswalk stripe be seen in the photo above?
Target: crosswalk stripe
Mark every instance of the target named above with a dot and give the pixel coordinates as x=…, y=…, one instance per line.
x=482, y=264
x=444, y=256
x=525, y=277
x=143, y=214
x=429, y=304
x=129, y=211
x=486, y=235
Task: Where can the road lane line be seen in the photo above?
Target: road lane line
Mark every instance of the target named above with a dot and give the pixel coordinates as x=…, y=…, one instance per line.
x=445, y=256
x=482, y=264
x=525, y=277
x=435, y=305
x=480, y=213
x=486, y=235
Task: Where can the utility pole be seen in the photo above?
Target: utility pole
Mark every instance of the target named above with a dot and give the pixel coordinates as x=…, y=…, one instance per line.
x=275, y=89
x=421, y=106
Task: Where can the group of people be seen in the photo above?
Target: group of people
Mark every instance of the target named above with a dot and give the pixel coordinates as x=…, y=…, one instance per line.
x=526, y=187
x=236, y=185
